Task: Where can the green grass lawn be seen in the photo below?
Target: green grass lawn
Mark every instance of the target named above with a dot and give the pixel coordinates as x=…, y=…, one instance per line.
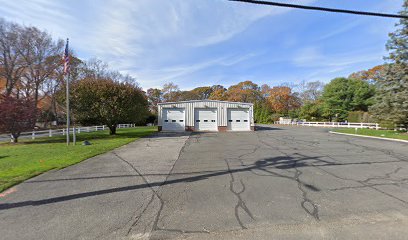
x=375, y=133
x=29, y=158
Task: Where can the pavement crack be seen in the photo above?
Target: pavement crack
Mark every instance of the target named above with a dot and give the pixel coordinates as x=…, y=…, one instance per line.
x=387, y=176
x=183, y=231
x=157, y=217
x=404, y=181
x=363, y=185
x=307, y=204
x=384, y=151
x=154, y=192
x=241, y=205
x=138, y=217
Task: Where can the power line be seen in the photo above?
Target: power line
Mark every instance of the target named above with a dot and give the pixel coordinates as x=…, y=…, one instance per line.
x=387, y=15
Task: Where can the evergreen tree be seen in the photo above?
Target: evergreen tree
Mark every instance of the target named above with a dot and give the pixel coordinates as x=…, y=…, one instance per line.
x=265, y=116
x=391, y=103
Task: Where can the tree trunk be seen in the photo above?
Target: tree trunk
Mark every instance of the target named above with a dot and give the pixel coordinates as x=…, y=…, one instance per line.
x=14, y=137
x=54, y=109
x=35, y=105
x=112, y=129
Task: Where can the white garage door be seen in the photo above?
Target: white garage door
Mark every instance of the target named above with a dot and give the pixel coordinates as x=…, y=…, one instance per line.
x=238, y=120
x=205, y=119
x=173, y=119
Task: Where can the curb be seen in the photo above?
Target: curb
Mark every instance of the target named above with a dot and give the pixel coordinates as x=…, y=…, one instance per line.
x=365, y=136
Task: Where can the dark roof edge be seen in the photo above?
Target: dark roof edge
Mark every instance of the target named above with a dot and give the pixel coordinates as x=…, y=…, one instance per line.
x=204, y=101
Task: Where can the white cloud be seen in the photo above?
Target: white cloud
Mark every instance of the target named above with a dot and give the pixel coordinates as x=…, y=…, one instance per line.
x=342, y=29
x=311, y=57
x=318, y=65
x=51, y=16
x=153, y=38
x=307, y=56
x=182, y=24
x=158, y=41
x=179, y=72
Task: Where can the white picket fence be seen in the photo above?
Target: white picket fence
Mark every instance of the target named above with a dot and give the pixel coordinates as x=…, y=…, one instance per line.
x=62, y=131
x=332, y=124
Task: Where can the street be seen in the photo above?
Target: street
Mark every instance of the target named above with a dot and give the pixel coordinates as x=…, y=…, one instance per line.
x=275, y=183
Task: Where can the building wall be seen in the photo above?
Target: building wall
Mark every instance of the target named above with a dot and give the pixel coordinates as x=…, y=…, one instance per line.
x=221, y=106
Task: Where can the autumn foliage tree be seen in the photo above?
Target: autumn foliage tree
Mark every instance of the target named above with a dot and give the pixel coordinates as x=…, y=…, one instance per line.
x=154, y=96
x=108, y=101
x=11, y=63
x=42, y=57
x=218, y=93
x=171, y=92
x=203, y=92
x=283, y=100
x=16, y=116
x=30, y=64
x=188, y=95
x=372, y=75
x=246, y=91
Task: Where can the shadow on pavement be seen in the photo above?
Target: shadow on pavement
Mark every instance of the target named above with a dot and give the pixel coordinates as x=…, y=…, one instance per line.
x=266, y=165
x=168, y=134
x=266, y=128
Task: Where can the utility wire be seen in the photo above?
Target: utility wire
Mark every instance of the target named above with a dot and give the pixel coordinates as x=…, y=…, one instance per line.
x=376, y=14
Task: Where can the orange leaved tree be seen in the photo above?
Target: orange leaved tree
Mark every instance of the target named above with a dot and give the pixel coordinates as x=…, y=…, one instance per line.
x=282, y=100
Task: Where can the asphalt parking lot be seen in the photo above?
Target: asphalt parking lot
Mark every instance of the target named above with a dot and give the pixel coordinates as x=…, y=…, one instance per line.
x=275, y=183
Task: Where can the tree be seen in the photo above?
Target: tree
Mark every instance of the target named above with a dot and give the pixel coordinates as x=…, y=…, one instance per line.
x=311, y=110
x=29, y=62
x=262, y=112
x=2, y=84
x=55, y=86
x=218, y=93
x=16, y=116
x=171, y=92
x=371, y=75
x=154, y=96
x=94, y=68
x=342, y=95
x=11, y=63
x=188, y=95
x=108, y=101
x=310, y=91
x=265, y=90
x=246, y=91
x=42, y=56
x=391, y=101
x=202, y=93
x=282, y=100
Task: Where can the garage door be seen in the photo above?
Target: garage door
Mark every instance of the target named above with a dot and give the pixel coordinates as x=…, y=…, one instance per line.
x=173, y=119
x=238, y=120
x=205, y=119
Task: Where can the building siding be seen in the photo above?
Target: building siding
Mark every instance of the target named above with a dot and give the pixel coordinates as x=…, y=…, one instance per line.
x=221, y=107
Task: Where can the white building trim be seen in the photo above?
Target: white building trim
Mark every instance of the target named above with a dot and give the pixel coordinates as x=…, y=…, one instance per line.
x=221, y=106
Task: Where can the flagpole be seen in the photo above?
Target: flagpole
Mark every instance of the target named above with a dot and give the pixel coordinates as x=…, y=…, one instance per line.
x=68, y=111
x=67, y=101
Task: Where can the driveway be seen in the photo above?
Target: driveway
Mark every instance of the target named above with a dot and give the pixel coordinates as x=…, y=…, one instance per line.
x=276, y=183
x=100, y=198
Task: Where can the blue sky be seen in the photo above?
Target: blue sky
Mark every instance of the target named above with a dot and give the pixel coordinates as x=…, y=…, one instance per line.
x=204, y=42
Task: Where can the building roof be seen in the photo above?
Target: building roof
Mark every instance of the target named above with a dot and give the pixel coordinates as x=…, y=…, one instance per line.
x=206, y=100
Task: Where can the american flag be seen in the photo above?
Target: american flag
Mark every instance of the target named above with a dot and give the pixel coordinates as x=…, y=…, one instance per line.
x=66, y=58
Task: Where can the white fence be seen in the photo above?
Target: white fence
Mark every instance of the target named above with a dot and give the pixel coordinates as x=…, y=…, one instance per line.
x=55, y=132
x=332, y=124
x=126, y=125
